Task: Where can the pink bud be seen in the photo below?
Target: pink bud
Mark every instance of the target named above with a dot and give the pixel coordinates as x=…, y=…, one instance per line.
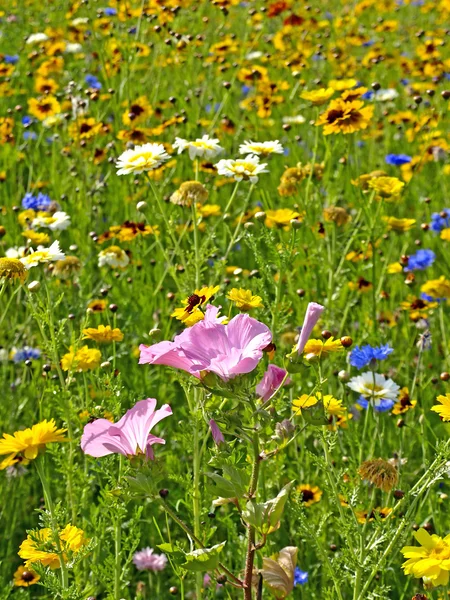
x=216, y=433
x=313, y=313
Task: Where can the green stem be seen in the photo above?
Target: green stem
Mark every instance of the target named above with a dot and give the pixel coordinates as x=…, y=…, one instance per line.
x=196, y=244
x=238, y=226
x=251, y=550
x=54, y=525
x=118, y=545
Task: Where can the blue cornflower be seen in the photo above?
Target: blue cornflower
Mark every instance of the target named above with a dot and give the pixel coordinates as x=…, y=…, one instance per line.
x=39, y=202
x=110, y=12
x=397, y=159
x=428, y=298
x=27, y=121
x=26, y=353
x=368, y=95
x=300, y=577
x=439, y=222
x=245, y=89
x=380, y=405
x=421, y=260
x=11, y=59
x=93, y=82
x=29, y=135
x=360, y=357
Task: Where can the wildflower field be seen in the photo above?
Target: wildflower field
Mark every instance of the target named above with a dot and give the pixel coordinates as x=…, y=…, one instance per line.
x=224, y=299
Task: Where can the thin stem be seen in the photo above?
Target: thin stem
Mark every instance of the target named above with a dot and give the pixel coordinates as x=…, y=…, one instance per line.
x=196, y=244
x=118, y=545
x=54, y=525
x=251, y=550
x=238, y=226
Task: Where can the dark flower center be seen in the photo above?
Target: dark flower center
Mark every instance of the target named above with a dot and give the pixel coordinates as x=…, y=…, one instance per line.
x=27, y=576
x=307, y=495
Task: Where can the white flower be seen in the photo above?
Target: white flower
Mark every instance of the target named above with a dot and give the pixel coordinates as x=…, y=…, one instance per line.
x=79, y=21
x=294, y=120
x=143, y=158
x=43, y=255
x=247, y=168
x=373, y=385
x=80, y=106
x=58, y=221
x=261, y=148
x=17, y=252
x=385, y=95
x=113, y=257
x=73, y=48
x=204, y=147
x=37, y=38
x=254, y=55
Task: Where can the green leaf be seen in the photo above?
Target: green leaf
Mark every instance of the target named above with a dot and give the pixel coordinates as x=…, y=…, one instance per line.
x=170, y=549
x=204, y=559
x=266, y=517
x=233, y=483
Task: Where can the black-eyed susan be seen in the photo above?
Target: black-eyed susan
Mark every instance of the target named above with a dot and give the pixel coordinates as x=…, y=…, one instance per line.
x=404, y=402
x=103, y=334
x=24, y=577
x=309, y=494
x=363, y=516
x=345, y=117
x=437, y=288
x=44, y=107
x=191, y=313
x=27, y=443
x=97, y=306
x=244, y=299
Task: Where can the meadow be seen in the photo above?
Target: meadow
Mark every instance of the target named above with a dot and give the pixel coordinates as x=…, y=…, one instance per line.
x=224, y=299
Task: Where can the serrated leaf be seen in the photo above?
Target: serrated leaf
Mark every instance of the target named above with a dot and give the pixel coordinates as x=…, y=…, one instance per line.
x=278, y=573
x=204, y=559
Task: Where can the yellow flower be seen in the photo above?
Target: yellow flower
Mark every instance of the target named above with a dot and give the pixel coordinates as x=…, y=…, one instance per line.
x=97, y=306
x=353, y=94
x=387, y=187
x=244, y=299
x=190, y=313
x=332, y=406
x=40, y=547
x=404, y=402
x=46, y=106
x=443, y=410
x=363, y=180
x=336, y=214
x=345, y=117
x=281, y=218
x=84, y=359
x=209, y=210
x=103, y=334
x=394, y=268
x=36, y=238
x=137, y=112
x=309, y=494
x=381, y=513
x=318, y=97
x=28, y=442
x=437, y=288
x=321, y=349
x=85, y=129
x=445, y=234
x=12, y=268
x=400, y=225
x=343, y=84
x=430, y=560
x=24, y=577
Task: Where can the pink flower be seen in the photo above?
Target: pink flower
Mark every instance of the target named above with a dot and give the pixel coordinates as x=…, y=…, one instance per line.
x=145, y=560
x=313, y=313
x=130, y=436
x=227, y=350
x=216, y=433
x=271, y=382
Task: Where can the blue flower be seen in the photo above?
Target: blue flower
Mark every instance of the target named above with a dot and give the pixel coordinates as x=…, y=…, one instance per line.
x=110, y=12
x=29, y=135
x=93, y=82
x=421, y=260
x=361, y=357
x=367, y=96
x=27, y=121
x=11, y=59
x=397, y=159
x=26, y=353
x=300, y=577
x=431, y=299
x=439, y=222
x=39, y=202
x=380, y=405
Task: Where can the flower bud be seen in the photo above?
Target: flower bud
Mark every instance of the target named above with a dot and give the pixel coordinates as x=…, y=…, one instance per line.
x=34, y=286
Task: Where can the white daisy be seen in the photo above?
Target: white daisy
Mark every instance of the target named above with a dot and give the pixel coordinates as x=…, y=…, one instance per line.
x=373, y=385
x=261, y=148
x=36, y=38
x=73, y=48
x=142, y=158
x=58, y=221
x=113, y=257
x=385, y=95
x=204, y=147
x=247, y=168
x=16, y=252
x=43, y=255
x=294, y=120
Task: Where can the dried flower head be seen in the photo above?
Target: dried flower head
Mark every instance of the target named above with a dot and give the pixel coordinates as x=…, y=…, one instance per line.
x=66, y=267
x=12, y=268
x=380, y=472
x=189, y=192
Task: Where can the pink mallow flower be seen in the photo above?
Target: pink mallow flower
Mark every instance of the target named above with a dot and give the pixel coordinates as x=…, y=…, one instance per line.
x=130, y=436
x=313, y=312
x=227, y=350
x=145, y=560
x=271, y=382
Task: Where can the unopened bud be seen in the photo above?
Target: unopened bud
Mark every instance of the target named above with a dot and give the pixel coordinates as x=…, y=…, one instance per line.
x=34, y=286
